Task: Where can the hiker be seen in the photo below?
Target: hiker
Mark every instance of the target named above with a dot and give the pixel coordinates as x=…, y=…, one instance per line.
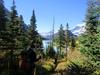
x=23, y=63
x=32, y=59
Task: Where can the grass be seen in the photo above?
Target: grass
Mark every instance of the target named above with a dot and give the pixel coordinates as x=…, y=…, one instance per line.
x=63, y=64
x=49, y=65
x=76, y=57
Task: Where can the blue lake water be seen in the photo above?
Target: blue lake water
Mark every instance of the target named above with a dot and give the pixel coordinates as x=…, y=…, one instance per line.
x=46, y=43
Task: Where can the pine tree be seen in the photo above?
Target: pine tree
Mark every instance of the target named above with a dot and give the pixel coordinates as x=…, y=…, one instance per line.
x=89, y=40
x=3, y=26
x=32, y=31
x=98, y=10
x=3, y=17
x=67, y=36
x=34, y=36
x=13, y=30
x=23, y=38
x=61, y=41
x=22, y=24
x=91, y=18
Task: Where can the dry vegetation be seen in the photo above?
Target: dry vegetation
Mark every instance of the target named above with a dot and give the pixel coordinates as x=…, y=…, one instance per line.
x=63, y=64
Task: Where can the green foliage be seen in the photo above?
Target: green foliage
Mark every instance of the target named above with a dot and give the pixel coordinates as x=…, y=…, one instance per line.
x=97, y=72
x=61, y=38
x=33, y=21
x=13, y=29
x=3, y=17
x=23, y=38
x=80, y=69
x=50, y=52
x=67, y=36
x=73, y=42
x=32, y=28
x=90, y=39
x=34, y=37
x=48, y=67
x=3, y=26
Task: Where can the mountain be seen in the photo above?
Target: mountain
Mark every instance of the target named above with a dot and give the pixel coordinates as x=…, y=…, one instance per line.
x=70, y=33
x=46, y=35
x=78, y=29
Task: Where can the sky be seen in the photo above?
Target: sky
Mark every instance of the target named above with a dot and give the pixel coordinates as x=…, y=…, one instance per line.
x=63, y=11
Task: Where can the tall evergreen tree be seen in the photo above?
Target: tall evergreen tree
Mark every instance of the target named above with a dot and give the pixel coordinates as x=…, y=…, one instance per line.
x=32, y=30
x=23, y=38
x=14, y=27
x=67, y=36
x=98, y=10
x=61, y=38
x=22, y=24
x=3, y=17
x=91, y=18
x=3, y=26
x=34, y=36
x=89, y=40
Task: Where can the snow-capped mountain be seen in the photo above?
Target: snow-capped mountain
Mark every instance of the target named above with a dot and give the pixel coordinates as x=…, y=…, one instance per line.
x=78, y=29
x=46, y=35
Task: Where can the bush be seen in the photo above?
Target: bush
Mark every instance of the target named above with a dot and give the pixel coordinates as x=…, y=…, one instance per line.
x=97, y=72
x=80, y=69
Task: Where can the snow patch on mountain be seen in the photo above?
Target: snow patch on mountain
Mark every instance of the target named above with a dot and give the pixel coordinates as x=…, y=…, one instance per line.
x=78, y=29
x=46, y=35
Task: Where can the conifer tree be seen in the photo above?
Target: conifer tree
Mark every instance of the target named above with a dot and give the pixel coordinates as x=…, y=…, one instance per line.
x=89, y=40
x=67, y=36
x=3, y=26
x=3, y=17
x=22, y=24
x=34, y=36
x=23, y=38
x=61, y=38
x=13, y=29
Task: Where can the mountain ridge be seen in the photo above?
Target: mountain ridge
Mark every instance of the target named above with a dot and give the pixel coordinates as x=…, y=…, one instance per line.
x=76, y=31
